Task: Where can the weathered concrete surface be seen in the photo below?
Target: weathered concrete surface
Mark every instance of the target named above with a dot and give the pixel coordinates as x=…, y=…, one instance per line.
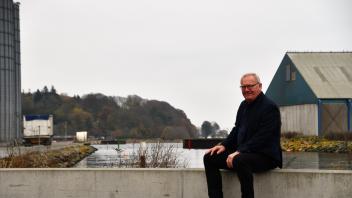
x=169, y=183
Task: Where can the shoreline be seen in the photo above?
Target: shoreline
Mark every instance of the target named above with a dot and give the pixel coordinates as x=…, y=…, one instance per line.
x=59, y=158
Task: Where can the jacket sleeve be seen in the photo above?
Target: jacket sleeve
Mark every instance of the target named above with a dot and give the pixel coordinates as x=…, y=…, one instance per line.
x=267, y=132
x=230, y=143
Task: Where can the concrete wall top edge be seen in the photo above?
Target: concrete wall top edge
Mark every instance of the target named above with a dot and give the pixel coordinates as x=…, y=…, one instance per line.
x=169, y=170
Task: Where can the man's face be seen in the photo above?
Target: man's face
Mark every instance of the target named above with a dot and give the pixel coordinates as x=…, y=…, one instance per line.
x=250, y=88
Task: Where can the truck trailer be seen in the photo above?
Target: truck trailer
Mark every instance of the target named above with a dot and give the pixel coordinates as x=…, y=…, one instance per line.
x=37, y=129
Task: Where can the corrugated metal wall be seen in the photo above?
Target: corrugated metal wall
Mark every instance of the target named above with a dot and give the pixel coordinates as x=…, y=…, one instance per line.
x=10, y=71
x=300, y=118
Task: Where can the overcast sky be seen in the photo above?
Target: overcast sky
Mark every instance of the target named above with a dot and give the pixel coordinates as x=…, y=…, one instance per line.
x=189, y=53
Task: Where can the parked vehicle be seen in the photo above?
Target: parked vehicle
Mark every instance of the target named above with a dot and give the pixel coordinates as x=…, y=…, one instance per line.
x=37, y=129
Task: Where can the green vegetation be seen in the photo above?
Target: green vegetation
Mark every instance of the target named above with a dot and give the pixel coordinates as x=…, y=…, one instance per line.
x=60, y=158
x=315, y=144
x=111, y=117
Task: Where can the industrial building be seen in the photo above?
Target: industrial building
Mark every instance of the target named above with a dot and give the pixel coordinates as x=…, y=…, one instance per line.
x=10, y=71
x=314, y=92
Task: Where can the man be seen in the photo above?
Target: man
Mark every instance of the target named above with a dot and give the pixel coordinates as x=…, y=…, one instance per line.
x=253, y=145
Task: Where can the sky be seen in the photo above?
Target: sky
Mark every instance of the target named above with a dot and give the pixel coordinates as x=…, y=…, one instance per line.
x=189, y=53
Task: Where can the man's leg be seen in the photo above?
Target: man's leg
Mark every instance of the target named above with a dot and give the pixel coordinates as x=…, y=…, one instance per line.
x=212, y=164
x=245, y=164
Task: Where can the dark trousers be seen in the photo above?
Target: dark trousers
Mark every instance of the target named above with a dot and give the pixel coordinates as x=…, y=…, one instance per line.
x=245, y=164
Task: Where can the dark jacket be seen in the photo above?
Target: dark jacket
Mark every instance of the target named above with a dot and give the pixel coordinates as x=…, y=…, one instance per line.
x=257, y=129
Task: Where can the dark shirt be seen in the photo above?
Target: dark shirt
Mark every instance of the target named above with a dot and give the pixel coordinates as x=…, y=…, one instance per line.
x=257, y=129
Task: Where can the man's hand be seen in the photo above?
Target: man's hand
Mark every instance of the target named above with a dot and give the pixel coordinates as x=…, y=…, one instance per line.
x=230, y=158
x=216, y=149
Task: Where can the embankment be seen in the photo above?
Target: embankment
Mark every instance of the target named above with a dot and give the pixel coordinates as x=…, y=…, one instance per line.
x=59, y=158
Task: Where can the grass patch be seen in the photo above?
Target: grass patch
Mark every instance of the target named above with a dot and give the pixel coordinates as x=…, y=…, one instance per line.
x=343, y=136
x=60, y=158
x=315, y=144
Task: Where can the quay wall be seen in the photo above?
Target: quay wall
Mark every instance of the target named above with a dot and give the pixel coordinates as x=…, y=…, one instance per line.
x=167, y=183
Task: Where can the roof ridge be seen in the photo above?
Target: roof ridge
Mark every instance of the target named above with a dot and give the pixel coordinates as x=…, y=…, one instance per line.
x=318, y=52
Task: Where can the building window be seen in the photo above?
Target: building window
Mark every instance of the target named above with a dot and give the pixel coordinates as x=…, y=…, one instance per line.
x=293, y=75
x=290, y=73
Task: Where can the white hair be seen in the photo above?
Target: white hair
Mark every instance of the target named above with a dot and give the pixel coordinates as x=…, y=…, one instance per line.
x=251, y=74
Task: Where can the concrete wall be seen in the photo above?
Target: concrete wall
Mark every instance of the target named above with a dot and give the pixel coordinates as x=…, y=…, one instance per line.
x=169, y=183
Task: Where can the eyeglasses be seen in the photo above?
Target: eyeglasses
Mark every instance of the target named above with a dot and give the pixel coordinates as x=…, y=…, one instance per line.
x=248, y=86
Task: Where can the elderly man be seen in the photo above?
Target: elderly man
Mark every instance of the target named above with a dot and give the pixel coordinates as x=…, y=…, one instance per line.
x=253, y=145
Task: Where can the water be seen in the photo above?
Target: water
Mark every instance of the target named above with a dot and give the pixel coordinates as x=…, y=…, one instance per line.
x=314, y=160
x=108, y=156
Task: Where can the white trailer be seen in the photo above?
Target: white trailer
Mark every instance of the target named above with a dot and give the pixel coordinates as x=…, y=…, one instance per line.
x=37, y=129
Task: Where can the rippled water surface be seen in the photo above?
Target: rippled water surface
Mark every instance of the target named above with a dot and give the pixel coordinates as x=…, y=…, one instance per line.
x=115, y=155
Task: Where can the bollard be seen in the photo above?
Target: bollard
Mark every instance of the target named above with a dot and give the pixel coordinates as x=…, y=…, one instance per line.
x=142, y=163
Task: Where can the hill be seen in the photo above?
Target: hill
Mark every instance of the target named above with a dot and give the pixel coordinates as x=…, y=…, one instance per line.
x=108, y=116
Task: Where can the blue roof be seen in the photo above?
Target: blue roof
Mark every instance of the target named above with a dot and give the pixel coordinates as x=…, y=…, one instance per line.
x=36, y=117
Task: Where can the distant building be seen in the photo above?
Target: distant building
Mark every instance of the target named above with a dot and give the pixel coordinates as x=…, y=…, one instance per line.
x=10, y=71
x=314, y=92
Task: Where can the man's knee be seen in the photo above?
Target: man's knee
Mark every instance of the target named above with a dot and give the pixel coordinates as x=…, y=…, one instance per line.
x=206, y=158
x=210, y=159
x=239, y=162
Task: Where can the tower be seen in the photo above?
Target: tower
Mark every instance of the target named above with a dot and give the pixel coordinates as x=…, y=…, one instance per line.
x=10, y=71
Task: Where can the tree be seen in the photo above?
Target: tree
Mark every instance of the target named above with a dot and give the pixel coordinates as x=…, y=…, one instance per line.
x=52, y=90
x=171, y=132
x=45, y=90
x=37, y=96
x=209, y=129
x=102, y=116
x=215, y=127
x=206, y=129
x=27, y=103
x=221, y=134
x=79, y=119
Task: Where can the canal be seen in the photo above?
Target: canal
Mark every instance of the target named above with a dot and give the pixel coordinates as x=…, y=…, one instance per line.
x=122, y=155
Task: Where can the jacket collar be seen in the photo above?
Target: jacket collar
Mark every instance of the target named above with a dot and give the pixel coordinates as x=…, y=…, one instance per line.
x=258, y=98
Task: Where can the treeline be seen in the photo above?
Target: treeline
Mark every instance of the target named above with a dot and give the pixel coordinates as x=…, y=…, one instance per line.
x=109, y=117
x=212, y=129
